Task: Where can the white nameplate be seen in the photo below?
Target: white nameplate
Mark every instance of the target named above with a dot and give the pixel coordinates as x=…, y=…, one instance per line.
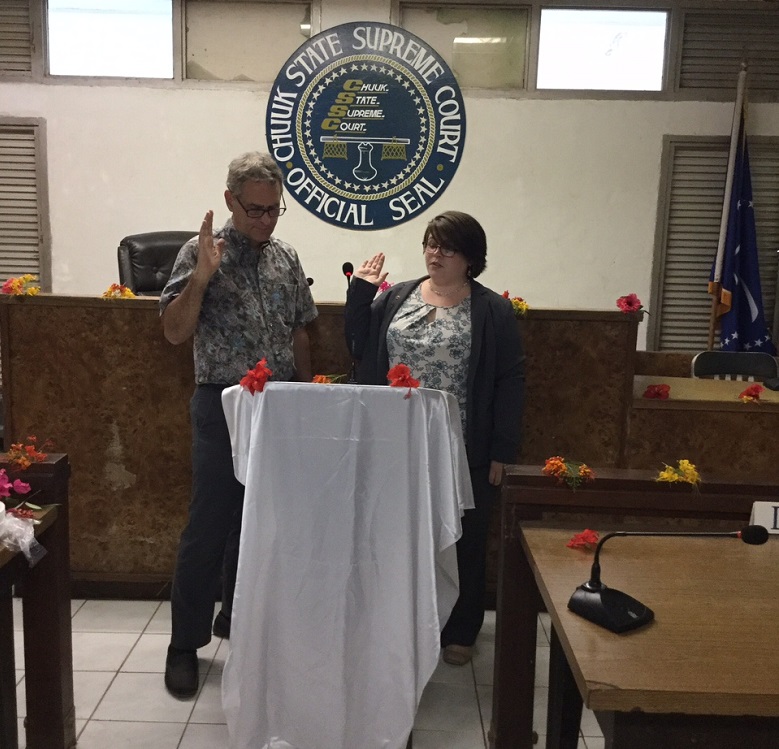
x=766, y=514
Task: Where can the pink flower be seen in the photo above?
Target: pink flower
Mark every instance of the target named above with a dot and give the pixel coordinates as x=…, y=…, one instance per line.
x=6, y=486
x=629, y=303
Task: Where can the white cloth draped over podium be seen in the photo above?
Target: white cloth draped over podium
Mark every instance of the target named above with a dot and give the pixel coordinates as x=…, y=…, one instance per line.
x=347, y=568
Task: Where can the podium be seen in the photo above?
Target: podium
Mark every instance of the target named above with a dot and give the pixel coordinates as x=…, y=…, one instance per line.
x=347, y=569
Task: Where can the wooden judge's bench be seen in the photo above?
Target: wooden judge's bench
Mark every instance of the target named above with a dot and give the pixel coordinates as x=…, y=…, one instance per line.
x=98, y=378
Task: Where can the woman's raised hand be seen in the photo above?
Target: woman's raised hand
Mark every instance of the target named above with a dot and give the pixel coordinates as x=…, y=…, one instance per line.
x=370, y=270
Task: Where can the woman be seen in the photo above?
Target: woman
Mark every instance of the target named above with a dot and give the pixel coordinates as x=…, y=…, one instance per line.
x=455, y=335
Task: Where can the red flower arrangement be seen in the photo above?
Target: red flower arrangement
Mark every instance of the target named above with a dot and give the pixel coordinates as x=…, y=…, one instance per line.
x=400, y=377
x=587, y=539
x=254, y=380
x=629, y=303
x=752, y=394
x=657, y=391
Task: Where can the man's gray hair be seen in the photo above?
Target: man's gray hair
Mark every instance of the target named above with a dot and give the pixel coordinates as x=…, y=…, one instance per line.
x=253, y=166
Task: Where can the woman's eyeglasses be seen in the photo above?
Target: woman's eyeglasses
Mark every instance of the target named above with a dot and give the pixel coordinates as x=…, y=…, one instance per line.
x=274, y=211
x=432, y=247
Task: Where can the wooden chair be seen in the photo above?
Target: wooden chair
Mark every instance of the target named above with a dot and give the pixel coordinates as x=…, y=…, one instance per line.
x=735, y=365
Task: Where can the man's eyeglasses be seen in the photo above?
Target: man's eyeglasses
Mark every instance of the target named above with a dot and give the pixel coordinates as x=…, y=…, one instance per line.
x=432, y=247
x=274, y=211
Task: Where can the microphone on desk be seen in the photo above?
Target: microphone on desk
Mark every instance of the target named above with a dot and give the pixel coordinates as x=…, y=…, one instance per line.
x=619, y=612
x=348, y=271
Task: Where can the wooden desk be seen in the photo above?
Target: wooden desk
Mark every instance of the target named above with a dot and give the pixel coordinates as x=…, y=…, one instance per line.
x=527, y=495
x=701, y=389
x=48, y=658
x=704, y=673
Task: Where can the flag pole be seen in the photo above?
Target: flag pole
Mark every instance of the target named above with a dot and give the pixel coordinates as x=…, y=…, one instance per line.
x=723, y=229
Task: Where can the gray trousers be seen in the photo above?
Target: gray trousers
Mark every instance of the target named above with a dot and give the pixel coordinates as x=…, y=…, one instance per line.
x=208, y=550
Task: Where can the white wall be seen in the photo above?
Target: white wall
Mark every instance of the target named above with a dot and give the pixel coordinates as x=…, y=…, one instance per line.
x=567, y=190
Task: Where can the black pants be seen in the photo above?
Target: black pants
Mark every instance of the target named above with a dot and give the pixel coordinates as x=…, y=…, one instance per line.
x=468, y=613
x=208, y=550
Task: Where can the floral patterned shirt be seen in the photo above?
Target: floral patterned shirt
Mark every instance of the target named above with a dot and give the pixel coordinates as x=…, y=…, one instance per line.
x=435, y=342
x=252, y=304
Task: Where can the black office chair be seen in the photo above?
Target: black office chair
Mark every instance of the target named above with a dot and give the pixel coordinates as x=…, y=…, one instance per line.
x=735, y=365
x=146, y=260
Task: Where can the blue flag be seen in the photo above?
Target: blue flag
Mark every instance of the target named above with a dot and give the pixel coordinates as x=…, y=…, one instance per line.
x=740, y=309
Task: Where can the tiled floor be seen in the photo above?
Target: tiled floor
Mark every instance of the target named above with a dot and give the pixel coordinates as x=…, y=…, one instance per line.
x=119, y=655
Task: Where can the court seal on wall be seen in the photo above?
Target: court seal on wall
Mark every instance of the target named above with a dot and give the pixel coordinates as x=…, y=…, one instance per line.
x=368, y=124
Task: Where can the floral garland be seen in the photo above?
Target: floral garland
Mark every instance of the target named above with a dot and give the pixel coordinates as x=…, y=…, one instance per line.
x=21, y=286
x=118, y=291
x=568, y=471
x=684, y=472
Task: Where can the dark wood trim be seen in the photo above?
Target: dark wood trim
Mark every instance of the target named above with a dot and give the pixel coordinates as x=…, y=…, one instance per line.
x=48, y=654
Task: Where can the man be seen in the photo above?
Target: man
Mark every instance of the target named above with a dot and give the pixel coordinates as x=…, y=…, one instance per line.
x=243, y=295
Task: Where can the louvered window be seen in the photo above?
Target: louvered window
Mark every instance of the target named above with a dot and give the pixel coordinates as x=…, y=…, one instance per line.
x=714, y=44
x=690, y=212
x=21, y=200
x=16, y=47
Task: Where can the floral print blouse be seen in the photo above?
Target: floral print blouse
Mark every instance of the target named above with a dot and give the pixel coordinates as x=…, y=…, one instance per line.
x=435, y=342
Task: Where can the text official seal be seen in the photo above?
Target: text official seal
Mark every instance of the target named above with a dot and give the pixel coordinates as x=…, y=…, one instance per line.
x=368, y=124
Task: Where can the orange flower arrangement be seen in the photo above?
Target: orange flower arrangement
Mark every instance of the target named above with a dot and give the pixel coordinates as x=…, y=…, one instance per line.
x=255, y=379
x=21, y=286
x=567, y=471
x=321, y=379
x=23, y=455
x=752, y=394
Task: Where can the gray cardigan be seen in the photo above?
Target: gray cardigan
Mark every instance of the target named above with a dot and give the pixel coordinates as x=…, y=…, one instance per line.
x=496, y=371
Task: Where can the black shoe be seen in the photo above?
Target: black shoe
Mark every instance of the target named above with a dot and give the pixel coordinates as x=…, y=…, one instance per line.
x=181, y=672
x=222, y=626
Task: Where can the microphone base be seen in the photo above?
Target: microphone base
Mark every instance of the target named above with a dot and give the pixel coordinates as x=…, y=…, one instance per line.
x=609, y=608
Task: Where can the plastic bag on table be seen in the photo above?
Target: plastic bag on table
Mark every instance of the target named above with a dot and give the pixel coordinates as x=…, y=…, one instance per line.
x=17, y=534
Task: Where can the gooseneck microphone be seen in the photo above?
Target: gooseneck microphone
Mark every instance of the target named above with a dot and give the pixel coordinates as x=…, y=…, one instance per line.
x=348, y=271
x=619, y=612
